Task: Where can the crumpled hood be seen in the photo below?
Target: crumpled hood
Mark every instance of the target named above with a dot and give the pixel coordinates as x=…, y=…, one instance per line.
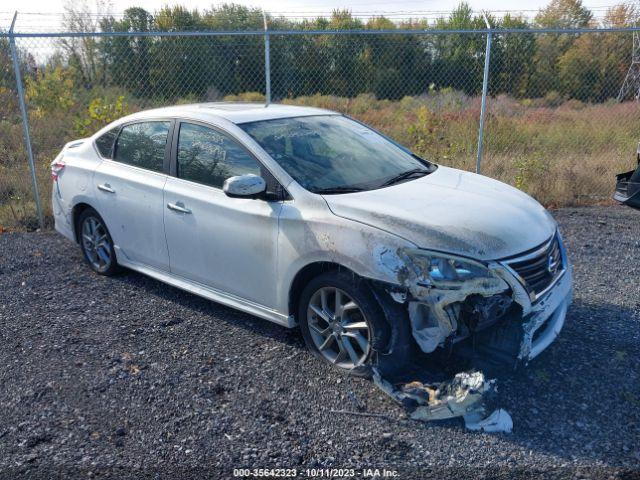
x=452, y=211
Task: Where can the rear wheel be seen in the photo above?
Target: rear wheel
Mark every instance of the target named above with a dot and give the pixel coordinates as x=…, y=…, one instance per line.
x=341, y=321
x=96, y=243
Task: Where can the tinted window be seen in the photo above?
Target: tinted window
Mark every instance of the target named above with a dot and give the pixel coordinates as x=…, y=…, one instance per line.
x=105, y=142
x=142, y=145
x=210, y=157
x=332, y=152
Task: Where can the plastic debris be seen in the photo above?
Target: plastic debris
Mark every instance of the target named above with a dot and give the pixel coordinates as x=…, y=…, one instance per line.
x=498, y=421
x=461, y=396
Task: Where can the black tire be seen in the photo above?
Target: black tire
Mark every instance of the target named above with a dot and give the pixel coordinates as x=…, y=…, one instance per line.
x=102, y=267
x=359, y=292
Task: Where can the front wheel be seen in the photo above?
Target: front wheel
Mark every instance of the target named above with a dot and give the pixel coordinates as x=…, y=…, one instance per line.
x=341, y=321
x=96, y=243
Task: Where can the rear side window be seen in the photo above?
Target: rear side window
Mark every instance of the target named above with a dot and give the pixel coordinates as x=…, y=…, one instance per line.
x=105, y=142
x=143, y=145
x=209, y=157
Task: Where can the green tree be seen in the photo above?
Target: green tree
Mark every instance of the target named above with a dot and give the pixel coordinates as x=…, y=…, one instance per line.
x=550, y=47
x=178, y=64
x=234, y=64
x=128, y=59
x=595, y=66
x=459, y=58
x=512, y=59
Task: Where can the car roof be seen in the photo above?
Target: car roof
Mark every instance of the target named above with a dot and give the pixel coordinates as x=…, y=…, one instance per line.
x=231, y=111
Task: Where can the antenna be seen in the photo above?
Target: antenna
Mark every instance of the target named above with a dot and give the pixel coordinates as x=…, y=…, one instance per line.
x=631, y=84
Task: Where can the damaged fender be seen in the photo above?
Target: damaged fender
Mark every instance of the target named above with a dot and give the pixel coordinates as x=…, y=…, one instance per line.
x=434, y=304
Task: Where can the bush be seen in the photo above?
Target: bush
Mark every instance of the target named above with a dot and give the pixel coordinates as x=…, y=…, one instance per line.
x=50, y=89
x=101, y=112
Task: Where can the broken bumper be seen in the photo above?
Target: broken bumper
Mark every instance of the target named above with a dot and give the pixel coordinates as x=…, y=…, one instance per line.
x=501, y=316
x=547, y=317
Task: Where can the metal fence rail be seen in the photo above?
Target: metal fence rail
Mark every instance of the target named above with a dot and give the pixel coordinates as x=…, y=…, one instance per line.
x=472, y=99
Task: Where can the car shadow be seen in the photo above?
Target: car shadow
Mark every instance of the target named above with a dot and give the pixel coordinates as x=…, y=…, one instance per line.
x=582, y=389
x=203, y=306
x=580, y=397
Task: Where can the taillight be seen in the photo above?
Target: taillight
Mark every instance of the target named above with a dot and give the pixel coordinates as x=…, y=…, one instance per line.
x=56, y=167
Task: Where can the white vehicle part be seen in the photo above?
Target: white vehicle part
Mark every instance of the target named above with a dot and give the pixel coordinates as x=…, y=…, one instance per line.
x=462, y=396
x=498, y=421
x=547, y=317
x=453, y=211
x=229, y=244
x=130, y=202
x=430, y=321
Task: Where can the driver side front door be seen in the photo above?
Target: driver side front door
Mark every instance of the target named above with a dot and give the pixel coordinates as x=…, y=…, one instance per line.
x=228, y=244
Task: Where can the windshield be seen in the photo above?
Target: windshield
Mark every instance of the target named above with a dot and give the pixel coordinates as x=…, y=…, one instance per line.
x=333, y=154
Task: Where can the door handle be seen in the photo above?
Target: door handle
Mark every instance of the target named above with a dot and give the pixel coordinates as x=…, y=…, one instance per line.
x=105, y=187
x=178, y=207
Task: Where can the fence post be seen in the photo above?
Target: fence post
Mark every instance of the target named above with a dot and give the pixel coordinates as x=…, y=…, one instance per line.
x=485, y=85
x=267, y=62
x=25, y=120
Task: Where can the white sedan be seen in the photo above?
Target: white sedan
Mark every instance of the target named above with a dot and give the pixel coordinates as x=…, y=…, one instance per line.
x=305, y=217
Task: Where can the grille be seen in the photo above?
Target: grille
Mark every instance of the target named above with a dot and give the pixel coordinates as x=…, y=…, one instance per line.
x=540, y=268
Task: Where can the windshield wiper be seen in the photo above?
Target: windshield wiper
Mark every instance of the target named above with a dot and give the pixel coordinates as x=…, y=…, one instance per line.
x=406, y=175
x=344, y=189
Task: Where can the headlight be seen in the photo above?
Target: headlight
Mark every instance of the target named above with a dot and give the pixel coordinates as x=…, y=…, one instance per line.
x=442, y=270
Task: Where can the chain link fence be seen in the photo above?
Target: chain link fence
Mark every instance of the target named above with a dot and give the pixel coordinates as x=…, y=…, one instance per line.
x=553, y=126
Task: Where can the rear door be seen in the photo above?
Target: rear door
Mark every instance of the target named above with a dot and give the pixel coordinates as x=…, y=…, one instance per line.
x=226, y=243
x=129, y=187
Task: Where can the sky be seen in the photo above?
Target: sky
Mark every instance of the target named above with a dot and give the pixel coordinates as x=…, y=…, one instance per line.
x=44, y=15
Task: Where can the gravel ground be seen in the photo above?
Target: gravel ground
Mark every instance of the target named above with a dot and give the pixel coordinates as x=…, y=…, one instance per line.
x=127, y=377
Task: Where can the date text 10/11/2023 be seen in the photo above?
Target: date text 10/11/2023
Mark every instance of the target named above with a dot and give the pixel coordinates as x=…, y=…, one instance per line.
x=315, y=472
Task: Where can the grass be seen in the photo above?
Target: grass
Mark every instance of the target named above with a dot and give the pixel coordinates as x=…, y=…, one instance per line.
x=562, y=155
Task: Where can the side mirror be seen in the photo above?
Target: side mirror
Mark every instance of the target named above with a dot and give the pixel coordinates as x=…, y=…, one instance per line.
x=244, y=186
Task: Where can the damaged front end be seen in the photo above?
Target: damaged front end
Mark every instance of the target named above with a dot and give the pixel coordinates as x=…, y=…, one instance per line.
x=493, y=313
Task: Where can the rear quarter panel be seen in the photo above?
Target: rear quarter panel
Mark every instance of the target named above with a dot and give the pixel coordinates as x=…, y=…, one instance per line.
x=74, y=184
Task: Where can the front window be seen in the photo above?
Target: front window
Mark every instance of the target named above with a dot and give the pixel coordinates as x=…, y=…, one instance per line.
x=333, y=154
x=209, y=157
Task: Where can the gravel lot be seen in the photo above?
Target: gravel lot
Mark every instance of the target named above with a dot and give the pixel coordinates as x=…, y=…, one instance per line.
x=127, y=377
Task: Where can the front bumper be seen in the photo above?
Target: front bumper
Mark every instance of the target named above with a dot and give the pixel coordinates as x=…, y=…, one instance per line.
x=517, y=324
x=543, y=324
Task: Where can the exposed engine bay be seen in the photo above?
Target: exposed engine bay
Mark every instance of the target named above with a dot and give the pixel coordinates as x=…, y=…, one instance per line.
x=448, y=330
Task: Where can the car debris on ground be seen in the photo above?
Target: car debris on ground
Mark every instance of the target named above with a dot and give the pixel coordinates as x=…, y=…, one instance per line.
x=462, y=396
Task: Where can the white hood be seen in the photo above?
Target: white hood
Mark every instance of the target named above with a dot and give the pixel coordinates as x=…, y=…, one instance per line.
x=452, y=211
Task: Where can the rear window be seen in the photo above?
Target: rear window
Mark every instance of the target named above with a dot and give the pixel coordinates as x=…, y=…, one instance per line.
x=105, y=142
x=143, y=145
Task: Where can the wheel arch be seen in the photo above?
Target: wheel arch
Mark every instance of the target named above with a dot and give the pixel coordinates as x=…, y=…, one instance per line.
x=77, y=210
x=304, y=276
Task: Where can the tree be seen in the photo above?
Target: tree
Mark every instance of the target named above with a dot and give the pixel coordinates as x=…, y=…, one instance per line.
x=512, y=59
x=83, y=52
x=235, y=64
x=459, y=58
x=595, y=65
x=128, y=59
x=178, y=64
x=550, y=47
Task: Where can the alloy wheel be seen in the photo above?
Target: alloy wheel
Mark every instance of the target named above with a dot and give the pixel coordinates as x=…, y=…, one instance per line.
x=96, y=244
x=338, y=327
